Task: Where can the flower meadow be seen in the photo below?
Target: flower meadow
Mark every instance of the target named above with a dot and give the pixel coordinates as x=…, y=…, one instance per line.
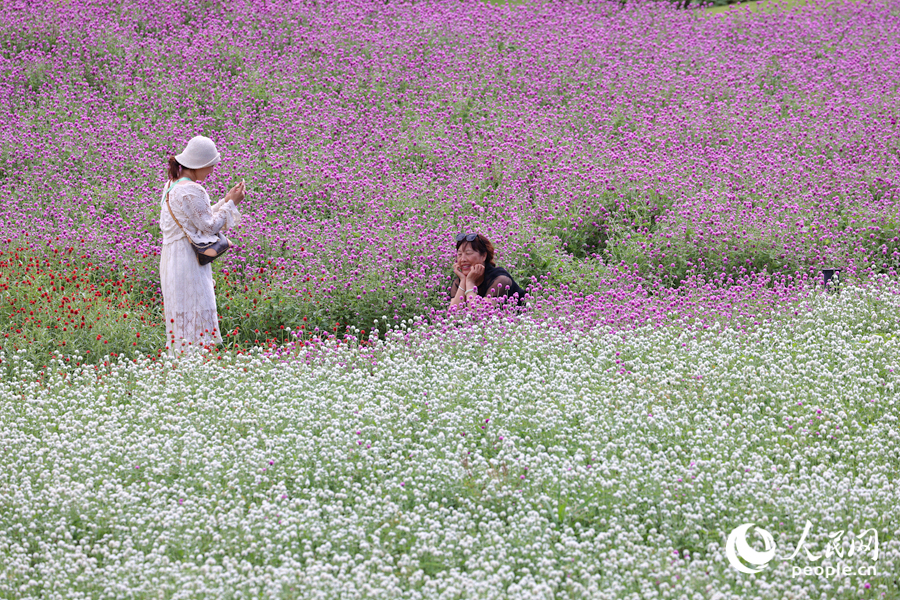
x=497, y=458
x=606, y=151
x=667, y=184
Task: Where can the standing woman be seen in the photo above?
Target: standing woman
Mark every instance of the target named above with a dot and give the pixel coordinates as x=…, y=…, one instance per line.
x=189, y=300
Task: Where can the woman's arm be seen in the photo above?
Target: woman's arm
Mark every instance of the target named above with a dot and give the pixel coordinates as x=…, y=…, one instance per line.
x=235, y=196
x=499, y=286
x=209, y=220
x=499, y=290
x=457, y=292
x=220, y=205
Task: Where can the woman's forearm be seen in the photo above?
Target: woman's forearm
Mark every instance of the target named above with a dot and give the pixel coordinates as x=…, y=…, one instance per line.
x=464, y=289
x=460, y=295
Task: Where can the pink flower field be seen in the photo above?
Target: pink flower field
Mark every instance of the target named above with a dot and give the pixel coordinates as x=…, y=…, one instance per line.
x=626, y=163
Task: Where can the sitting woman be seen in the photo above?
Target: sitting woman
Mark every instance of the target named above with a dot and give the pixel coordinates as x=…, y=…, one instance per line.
x=476, y=273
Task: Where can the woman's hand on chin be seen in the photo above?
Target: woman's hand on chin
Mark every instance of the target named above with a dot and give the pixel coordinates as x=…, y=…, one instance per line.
x=459, y=273
x=476, y=274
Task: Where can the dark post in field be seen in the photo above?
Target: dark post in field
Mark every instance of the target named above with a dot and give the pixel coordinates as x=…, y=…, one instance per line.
x=829, y=275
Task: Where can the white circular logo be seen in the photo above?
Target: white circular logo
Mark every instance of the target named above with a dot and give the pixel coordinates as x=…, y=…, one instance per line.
x=737, y=546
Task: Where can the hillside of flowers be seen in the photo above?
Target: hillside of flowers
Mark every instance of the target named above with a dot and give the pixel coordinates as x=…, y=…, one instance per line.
x=622, y=160
x=668, y=185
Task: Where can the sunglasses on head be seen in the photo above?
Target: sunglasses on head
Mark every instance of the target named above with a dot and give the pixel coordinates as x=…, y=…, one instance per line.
x=466, y=236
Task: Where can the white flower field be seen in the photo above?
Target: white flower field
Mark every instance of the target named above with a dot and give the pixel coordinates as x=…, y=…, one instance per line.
x=528, y=463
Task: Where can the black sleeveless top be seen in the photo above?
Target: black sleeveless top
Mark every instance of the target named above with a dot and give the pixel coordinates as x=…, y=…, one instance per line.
x=496, y=282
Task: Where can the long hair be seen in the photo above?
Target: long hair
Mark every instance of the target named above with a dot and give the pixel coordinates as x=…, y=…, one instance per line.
x=481, y=245
x=175, y=168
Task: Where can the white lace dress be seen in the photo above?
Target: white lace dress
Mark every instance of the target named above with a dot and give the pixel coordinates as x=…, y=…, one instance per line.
x=189, y=299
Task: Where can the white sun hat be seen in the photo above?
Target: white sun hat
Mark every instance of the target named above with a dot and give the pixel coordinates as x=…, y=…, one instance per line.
x=199, y=153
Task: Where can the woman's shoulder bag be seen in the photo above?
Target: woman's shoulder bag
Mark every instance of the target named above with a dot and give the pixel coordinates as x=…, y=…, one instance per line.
x=206, y=253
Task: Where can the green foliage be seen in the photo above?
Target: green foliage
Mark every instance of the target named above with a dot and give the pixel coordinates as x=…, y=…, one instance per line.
x=884, y=246
x=82, y=311
x=582, y=240
x=253, y=311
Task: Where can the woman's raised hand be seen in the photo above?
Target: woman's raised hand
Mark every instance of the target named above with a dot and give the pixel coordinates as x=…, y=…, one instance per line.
x=236, y=194
x=476, y=274
x=459, y=273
